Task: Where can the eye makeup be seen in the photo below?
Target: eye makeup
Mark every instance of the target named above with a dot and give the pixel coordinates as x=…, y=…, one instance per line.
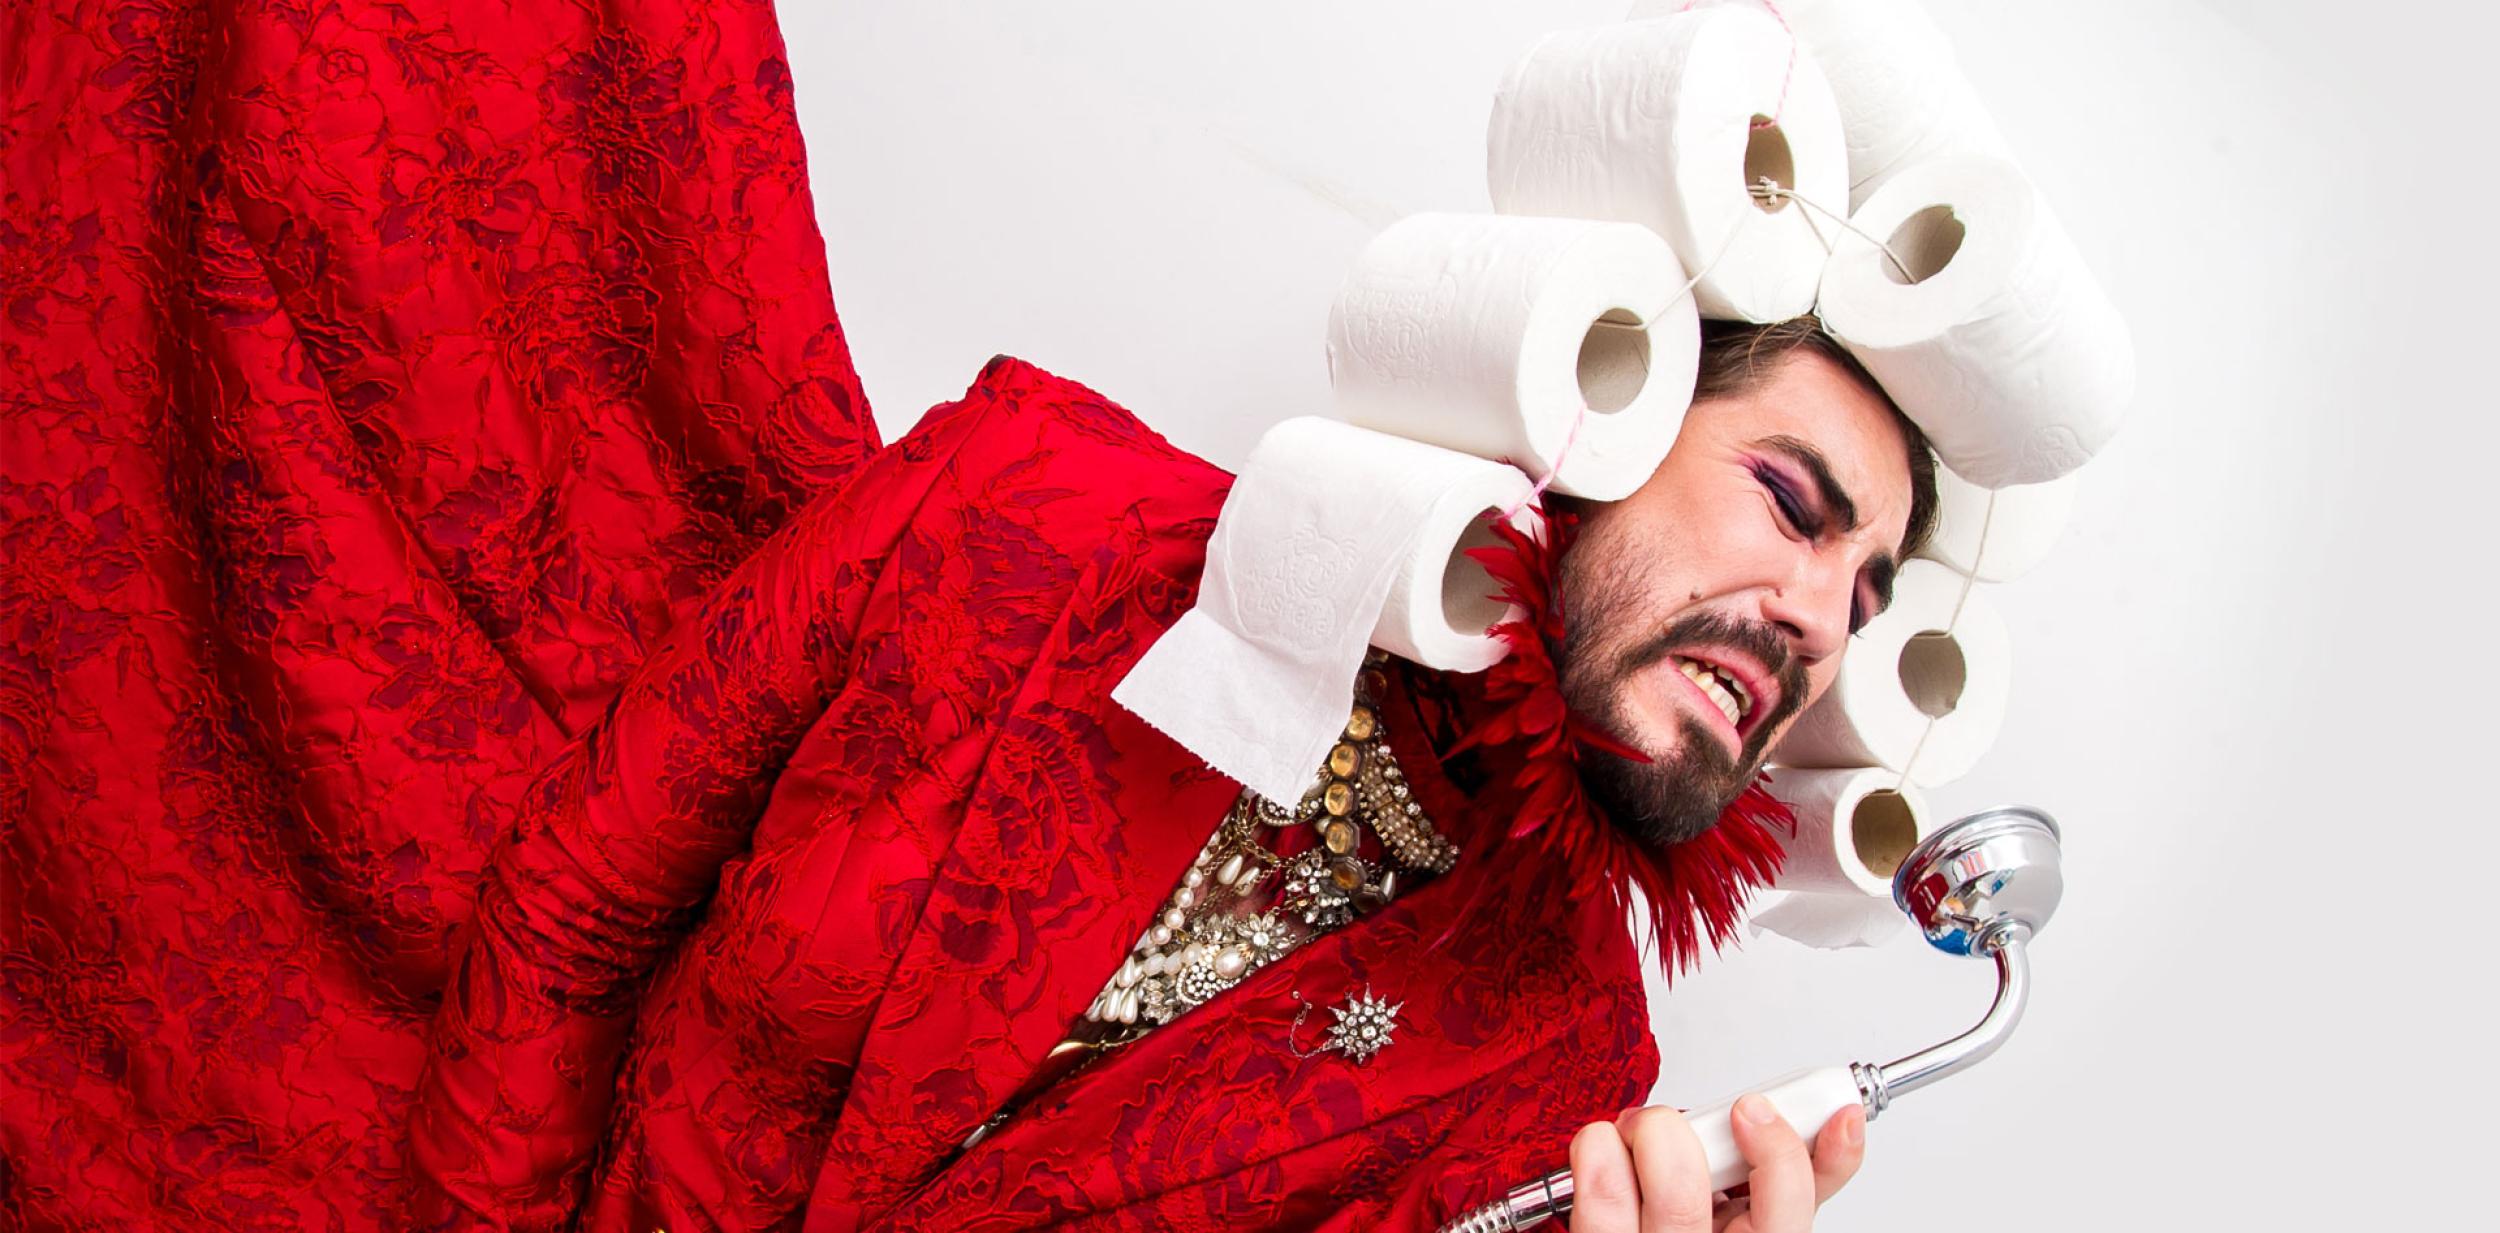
x=1809, y=522
x=1785, y=492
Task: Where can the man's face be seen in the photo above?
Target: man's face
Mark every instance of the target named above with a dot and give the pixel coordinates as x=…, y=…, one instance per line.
x=1731, y=581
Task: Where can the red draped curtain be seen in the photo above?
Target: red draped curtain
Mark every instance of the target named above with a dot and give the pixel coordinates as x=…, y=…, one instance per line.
x=378, y=383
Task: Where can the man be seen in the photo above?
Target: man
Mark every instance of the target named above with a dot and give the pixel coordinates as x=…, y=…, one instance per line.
x=1784, y=421
x=359, y=498
x=960, y=839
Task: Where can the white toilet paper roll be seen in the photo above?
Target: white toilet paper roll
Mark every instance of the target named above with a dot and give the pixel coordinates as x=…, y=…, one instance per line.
x=1666, y=123
x=1901, y=92
x=1332, y=534
x=1921, y=691
x=1489, y=335
x=1996, y=340
x=1854, y=826
x=1998, y=535
x=1441, y=601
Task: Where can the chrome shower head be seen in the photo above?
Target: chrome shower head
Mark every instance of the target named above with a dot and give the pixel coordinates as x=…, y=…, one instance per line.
x=1985, y=880
x=1981, y=887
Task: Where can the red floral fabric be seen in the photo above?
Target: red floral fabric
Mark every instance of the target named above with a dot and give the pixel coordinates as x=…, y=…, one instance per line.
x=378, y=385
x=960, y=837
x=445, y=542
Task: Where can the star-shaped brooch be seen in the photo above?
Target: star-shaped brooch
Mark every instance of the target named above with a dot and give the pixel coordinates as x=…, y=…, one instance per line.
x=1363, y=1025
x=1363, y=1028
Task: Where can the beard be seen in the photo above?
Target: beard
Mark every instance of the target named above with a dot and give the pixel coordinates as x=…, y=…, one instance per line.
x=1677, y=795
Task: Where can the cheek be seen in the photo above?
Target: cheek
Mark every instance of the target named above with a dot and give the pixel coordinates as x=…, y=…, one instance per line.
x=1729, y=544
x=1692, y=542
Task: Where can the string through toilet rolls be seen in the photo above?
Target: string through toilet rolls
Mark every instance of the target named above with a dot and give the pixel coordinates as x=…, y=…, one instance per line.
x=1638, y=12
x=1986, y=519
x=1565, y=347
x=1666, y=123
x=2003, y=347
x=1579, y=419
x=1768, y=189
x=1922, y=694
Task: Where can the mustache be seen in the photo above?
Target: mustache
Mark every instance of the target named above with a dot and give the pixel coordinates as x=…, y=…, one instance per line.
x=1755, y=638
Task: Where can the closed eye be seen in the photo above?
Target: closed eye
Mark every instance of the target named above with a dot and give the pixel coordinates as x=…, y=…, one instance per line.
x=1809, y=522
x=1791, y=508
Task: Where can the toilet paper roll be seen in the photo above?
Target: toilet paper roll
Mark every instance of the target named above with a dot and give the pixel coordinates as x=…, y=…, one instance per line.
x=1921, y=691
x=2003, y=348
x=1830, y=922
x=1902, y=96
x=1998, y=535
x=1655, y=122
x=1854, y=826
x=1489, y=335
x=1441, y=601
x=1332, y=535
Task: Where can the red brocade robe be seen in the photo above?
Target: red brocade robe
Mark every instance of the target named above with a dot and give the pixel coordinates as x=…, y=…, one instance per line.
x=486, y=736
x=962, y=840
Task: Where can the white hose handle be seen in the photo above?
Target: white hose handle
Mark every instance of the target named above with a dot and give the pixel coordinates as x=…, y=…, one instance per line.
x=1805, y=1100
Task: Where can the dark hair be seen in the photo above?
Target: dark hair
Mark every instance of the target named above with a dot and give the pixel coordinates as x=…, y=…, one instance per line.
x=1737, y=355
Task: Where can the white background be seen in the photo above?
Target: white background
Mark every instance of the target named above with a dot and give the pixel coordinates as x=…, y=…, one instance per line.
x=2250, y=684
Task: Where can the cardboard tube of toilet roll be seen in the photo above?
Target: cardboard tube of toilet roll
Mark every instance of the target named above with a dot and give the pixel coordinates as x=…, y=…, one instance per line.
x=1853, y=828
x=1922, y=689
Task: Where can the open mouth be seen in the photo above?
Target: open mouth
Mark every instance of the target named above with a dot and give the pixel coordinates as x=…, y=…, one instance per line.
x=1724, y=688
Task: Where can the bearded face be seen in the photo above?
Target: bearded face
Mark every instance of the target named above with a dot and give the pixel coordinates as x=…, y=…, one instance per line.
x=1709, y=608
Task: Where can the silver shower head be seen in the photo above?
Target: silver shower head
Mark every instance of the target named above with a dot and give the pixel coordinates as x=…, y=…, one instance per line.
x=1986, y=878
x=1981, y=887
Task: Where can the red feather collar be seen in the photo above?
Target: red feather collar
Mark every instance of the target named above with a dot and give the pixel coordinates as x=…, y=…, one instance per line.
x=1696, y=890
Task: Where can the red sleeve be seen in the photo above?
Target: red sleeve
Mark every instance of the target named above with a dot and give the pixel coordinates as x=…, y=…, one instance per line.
x=624, y=835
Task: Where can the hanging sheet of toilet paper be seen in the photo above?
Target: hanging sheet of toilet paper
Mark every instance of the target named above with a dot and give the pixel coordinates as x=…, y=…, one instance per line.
x=1563, y=346
x=1334, y=538
x=1666, y=124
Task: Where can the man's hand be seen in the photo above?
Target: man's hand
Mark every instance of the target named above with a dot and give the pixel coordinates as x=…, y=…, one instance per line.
x=1643, y=1173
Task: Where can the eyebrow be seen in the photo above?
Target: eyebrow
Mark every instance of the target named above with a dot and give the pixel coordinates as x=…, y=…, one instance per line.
x=1884, y=566
x=1826, y=485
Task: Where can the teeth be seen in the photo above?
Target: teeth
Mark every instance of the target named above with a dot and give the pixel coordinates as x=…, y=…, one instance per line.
x=1719, y=688
x=1744, y=699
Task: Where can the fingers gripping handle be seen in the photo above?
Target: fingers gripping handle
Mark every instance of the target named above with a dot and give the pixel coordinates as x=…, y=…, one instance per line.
x=1804, y=1100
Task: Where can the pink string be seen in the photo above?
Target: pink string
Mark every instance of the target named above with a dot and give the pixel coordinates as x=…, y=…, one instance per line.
x=1780, y=108
x=1538, y=492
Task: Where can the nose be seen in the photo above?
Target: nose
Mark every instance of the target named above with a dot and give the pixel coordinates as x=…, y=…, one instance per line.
x=1811, y=610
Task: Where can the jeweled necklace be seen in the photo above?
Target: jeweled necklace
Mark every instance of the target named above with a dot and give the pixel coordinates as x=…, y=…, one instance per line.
x=1226, y=921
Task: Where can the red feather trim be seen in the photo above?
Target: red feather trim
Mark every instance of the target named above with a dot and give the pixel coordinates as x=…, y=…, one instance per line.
x=1696, y=890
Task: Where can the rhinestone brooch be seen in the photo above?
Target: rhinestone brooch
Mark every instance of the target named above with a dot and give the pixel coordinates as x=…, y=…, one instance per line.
x=1363, y=1028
